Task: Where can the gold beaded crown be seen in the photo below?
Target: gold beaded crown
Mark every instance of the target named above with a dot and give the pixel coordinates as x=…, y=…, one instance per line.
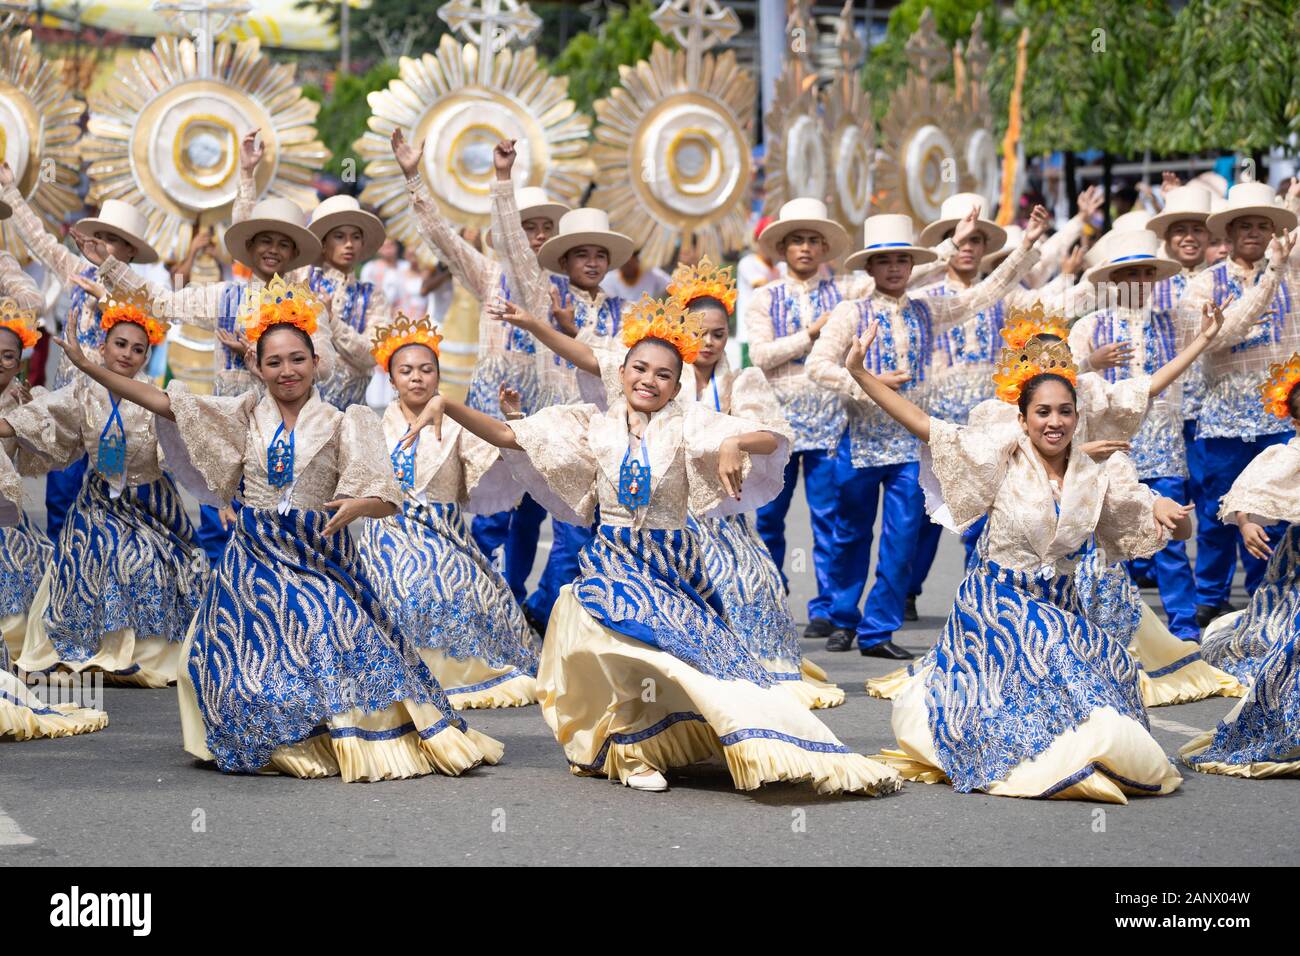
x=21, y=322
x=1025, y=324
x=136, y=308
x=280, y=303
x=701, y=281
x=401, y=332
x=665, y=319
x=1018, y=366
x=1282, y=378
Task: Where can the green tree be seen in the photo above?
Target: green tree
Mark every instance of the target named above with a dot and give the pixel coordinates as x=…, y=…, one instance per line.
x=384, y=29
x=591, y=61
x=343, y=115
x=1227, y=78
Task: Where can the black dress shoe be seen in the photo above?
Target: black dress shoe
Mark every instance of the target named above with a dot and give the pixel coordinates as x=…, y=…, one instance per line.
x=818, y=628
x=888, y=650
x=538, y=626
x=909, y=612
x=1146, y=581
x=842, y=639
x=1205, y=615
x=1227, y=607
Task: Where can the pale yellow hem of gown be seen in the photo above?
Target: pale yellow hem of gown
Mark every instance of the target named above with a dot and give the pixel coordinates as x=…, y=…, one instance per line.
x=889, y=686
x=156, y=658
x=1156, y=647
x=1254, y=771
x=21, y=720
x=450, y=751
x=1105, y=738
x=813, y=689
x=517, y=691
x=14, y=628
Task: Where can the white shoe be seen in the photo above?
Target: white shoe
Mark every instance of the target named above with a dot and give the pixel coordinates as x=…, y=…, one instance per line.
x=653, y=782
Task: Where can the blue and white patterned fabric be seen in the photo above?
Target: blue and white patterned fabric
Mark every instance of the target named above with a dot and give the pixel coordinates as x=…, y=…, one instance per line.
x=1017, y=665
x=651, y=585
x=25, y=553
x=753, y=596
x=492, y=370
x=232, y=297
x=90, y=333
x=1166, y=296
x=815, y=413
x=1108, y=596
x=964, y=359
x=442, y=590
x=127, y=562
x=344, y=386
x=291, y=633
x=876, y=439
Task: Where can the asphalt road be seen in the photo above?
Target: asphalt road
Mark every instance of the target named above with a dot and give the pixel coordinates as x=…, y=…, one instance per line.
x=130, y=795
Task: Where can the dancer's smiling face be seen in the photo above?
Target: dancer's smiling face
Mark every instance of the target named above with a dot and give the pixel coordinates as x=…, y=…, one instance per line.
x=125, y=349
x=651, y=375
x=11, y=353
x=1049, y=414
x=270, y=252
x=414, y=372
x=287, y=361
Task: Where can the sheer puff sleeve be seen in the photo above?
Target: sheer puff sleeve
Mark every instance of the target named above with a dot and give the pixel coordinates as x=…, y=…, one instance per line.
x=703, y=431
x=1127, y=527
x=752, y=397
x=205, y=446
x=490, y=485
x=365, y=470
x=11, y=493
x=1113, y=410
x=556, y=465
x=48, y=428
x=962, y=469
x=1269, y=487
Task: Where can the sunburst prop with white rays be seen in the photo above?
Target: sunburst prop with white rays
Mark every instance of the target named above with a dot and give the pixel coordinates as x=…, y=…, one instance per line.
x=438, y=100
x=39, y=127
x=797, y=159
x=165, y=138
x=977, y=144
x=850, y=131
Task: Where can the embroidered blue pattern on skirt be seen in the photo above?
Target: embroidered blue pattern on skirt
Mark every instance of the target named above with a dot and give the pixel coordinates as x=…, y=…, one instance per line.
x=131, y=561
x=651, y=585
x=1108, y=596
x=515, y=369
x=25, y=553
x=745, y=579
x=1016, y=666
x=443, y=590
x=1269, y=620
x=290, y=633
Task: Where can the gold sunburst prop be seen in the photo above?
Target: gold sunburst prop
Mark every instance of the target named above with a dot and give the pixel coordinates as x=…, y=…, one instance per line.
x=976, y=140
x=798, y=155
x=460, y=112
x=851, y=132
x=674, y=139
x=39, y=129
x=165, y=137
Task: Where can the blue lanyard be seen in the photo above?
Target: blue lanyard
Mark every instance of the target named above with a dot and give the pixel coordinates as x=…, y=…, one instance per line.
x=634, y=480
x=404, y=462
x=111, y=459
x=713, y=384
x=279, y=459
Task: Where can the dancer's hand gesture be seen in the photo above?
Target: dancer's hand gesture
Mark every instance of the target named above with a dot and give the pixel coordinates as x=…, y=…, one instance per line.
x=251, y=150
x=1256, y=539
x=95, y=250
x=407, y=156
x=1279, y=250
x=348, y=510
x=431, y=416
x=503, y=159
x=506, y=311
x=1101, y=450
x=72, y=348
x=1039, y=220
x=1111, y=355
x=966, y=227
x=1169, y=513
x=564, y=318
x=1089, y=201
x=511, y=402
x=731, y=466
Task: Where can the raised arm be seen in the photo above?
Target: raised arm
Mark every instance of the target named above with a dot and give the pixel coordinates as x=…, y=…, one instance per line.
x=19, y=286
x=486, y=427
x=952, y=310
x=1167, y=374
x=199, y=305
x=250, y=154
x=53, y=254
x=141, y=393
x=899, y=408
x=572, y=350
x=527, y=279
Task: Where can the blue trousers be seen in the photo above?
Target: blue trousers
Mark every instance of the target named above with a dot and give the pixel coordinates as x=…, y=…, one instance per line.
x=860, y=493
x=561, y=567
x=820, y=491
x=61, y=490
x=517, y=531
x=1173, y=570
x=1217, y=544
x=1192, y=491
x=927, y=546
x=213, y=538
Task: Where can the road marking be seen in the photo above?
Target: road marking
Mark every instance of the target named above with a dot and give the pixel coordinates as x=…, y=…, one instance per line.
x=10, y=833
x=1175, y=727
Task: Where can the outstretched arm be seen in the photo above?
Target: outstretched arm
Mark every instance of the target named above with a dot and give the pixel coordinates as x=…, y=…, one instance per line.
x=485, y=427
x=53, y=254
x=569, y=349
x=142, y=393
x=1211, y=323
x=899, y=408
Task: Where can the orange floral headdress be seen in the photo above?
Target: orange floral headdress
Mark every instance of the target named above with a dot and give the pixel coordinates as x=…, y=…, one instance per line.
x=134, y=308
x=1025, y=324
x=701, y=281
x=1282, y=378
x=280, y=303
x=1018, y=366
x=403, y=331
x=665, y=319
x=21, y=322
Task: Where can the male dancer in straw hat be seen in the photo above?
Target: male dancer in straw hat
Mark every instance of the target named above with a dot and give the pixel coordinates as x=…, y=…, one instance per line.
x=349, y=236
x=1262, y=280
x=583, y=251
x=877, y=457
x=121, y=227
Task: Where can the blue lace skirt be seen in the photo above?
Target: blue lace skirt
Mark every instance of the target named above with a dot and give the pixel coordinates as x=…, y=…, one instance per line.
x=518, y=370
x=126, y=562
x=25, y=553
x=290, y=633
x=442, y=589
x=746, y=581
x=1108, y=596
x=1270, y=619
x=1017, y=665
x=651, y=585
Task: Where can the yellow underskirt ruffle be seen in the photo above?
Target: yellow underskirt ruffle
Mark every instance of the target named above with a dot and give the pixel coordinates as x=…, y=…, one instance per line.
x=889, y=686
x=813, y=689
x=596, y=686
x=157, y=659
x=1156, y=648
x=20, y=717
x=1255, y=771
x=1106, y=738
x=13, y=627
x=517, y=691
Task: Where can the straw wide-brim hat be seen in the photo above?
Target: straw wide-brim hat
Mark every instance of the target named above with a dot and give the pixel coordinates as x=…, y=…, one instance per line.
x=122, y=219
x=888, y=232
x=275, y=215
x=1251, y=199
x=1133, y=247
x=585, y=227
x=803, y=214
x=1129, y=222
x=1184, y=204
x=954, y=210
x=1015, y=236
x=346, y=211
